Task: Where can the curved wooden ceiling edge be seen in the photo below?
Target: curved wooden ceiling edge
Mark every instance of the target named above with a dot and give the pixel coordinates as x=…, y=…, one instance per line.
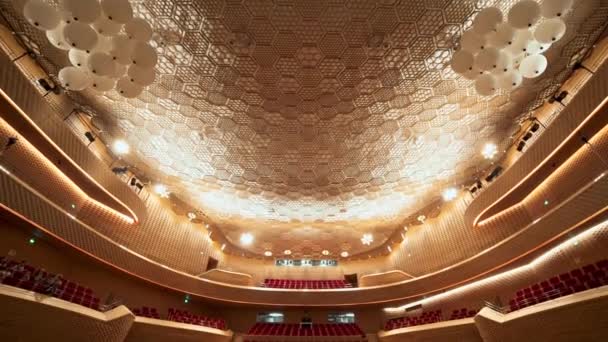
x=593, y=123
x=350, y=297
x=12, y=112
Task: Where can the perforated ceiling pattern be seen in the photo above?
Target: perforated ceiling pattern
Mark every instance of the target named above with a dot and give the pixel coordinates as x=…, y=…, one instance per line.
x=310, y=123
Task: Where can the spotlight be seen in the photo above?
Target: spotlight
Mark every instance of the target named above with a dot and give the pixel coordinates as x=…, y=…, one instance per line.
x=32, y=241
x=521, y=146
x=389, y=249
x=561, y=96
x=535, y=127
x=223, y=247
x=268, y=253
x=90, y=136
x=489, y=151
x=161, y=190
x=120, y=147
x=48, y=87
x=449, y=194
x=246, y=238
x=344, y=254
x=495, y=173
x=287, y=252
x=191, y=216
x=325, y=252
x=367, y=239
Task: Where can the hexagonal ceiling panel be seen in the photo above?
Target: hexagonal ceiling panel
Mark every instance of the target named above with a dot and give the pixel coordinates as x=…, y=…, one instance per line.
x=309, y=123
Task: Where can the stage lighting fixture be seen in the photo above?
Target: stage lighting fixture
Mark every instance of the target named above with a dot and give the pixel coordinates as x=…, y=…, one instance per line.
x=535, y=127
x=89, y=136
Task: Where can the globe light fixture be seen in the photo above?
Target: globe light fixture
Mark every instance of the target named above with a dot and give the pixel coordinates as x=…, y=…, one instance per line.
x=161, y=190
x=489, y=151
x=120, y=147
x=449, y=194
x=246, y=239
x=367, y=239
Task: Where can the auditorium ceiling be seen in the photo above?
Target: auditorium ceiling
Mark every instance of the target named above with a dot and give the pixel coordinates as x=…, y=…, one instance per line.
x=310, y=123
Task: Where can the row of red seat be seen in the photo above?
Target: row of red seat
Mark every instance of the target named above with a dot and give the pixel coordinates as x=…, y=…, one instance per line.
x=183, y=316
x=306, y=284
x=462, y=313
x=409, y=321
x=577, y=280
x=30, y=278
x=285, y=329
x=145, y=311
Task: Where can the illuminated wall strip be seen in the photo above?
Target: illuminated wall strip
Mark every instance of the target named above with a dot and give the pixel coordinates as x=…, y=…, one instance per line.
x=542, y=164
x=538, y=261
x=131, y=220
x=51, y=166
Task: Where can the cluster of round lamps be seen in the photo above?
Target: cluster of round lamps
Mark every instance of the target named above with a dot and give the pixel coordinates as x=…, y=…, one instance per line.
x=107, y=47
x=499, y=54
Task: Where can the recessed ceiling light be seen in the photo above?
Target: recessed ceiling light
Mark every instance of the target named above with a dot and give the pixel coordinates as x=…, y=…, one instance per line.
x=161, y=190
x=120, y=147
x=449, y=194
x=367, y=239
x=191, y=216
x=223, y=246
x=325, y=252
x=389, y=248
x=246, y=238
x=344, y=254
x=489, y=151
x=268, y=253
x=287, y=252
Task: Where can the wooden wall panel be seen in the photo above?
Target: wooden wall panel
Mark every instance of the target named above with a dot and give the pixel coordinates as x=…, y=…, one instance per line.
x=457, y=330
x=579, y=317
x=27, y=318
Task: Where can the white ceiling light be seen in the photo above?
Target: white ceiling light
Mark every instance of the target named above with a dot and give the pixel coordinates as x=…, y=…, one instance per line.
x=268, y=253
x=489, y=151
x=344, y=254
x=325, y=252
x=449, y=194
x=191, y=216
x=120, y=147
x=287, y=252
x=91, y=29
x=161, y=190
x=499, y=54
x=367, y=239
x=223, y=246
x=246, y=238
